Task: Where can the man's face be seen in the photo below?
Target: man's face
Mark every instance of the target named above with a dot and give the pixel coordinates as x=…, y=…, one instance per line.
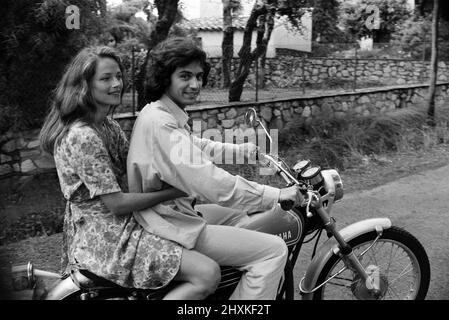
x=185, y=84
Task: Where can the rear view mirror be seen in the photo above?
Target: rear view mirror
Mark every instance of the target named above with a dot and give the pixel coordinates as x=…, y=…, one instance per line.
x=251, y=118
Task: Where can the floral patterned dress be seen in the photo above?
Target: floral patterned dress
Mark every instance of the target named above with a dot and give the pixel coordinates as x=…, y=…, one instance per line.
x=92, y=162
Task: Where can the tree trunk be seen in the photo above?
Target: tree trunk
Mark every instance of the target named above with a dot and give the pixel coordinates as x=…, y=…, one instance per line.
x=261, y=75
x=264, y=30
x=167, y=12
x=227, y=45
x=433, y=66
x=269, y=22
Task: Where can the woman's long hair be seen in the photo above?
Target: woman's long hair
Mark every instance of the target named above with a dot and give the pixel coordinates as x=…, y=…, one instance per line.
x=72, y=99
x=168, y=55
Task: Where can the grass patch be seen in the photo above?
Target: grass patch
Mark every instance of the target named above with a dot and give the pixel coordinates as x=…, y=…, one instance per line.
x=32, y=225
x=344, y=142
x=353, y=141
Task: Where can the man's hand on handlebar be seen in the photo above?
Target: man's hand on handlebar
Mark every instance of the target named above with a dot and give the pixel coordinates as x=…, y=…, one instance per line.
x=291, y=197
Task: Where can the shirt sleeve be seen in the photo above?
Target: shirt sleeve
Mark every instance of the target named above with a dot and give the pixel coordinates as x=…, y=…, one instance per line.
x=182, y=164
x=91, y=161
x=215, y=150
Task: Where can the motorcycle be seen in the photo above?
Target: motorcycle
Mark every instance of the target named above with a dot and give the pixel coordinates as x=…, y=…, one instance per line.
x=367, y=260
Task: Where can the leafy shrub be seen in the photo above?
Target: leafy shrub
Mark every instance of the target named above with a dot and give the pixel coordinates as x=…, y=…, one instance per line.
x=9, y=119
x=32, y=225
x=332, y=142
x=36, y=45
x=348, y=142
x=414, y=37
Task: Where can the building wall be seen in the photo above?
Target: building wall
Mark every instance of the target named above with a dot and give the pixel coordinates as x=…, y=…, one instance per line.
x=211, y=42
x=282, y=36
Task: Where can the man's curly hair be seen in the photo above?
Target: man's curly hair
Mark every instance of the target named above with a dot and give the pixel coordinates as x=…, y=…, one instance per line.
x=168, y=55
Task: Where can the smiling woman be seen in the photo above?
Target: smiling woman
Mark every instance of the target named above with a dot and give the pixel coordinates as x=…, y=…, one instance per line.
x=90, y=150
x=107, y=86
x=84, y=93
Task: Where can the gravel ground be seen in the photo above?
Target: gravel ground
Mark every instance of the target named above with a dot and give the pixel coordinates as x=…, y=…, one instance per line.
x=45, y=251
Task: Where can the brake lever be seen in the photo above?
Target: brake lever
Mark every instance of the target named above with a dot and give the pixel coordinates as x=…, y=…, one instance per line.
x=310, y=195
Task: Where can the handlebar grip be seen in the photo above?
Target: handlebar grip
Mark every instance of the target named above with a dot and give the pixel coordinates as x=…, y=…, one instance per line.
x=287, y=205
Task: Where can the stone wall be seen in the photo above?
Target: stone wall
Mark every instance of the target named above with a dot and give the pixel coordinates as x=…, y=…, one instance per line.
x=276, y=114
x=20, y=154
x=289, y=71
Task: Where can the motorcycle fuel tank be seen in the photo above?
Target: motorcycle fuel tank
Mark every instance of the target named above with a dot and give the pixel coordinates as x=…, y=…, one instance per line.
x=285, y=224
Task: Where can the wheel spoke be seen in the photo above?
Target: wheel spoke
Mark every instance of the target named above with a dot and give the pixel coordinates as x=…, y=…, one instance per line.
x=403, y=273
x=390, y=261
x=394, y=293
x=401, y=268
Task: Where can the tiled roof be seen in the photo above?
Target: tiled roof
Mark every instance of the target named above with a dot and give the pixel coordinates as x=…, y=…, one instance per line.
x=215, y=23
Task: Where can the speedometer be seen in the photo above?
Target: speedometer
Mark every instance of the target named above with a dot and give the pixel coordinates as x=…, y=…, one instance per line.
x=301, y=165
x=310, y=173
x=313, y=175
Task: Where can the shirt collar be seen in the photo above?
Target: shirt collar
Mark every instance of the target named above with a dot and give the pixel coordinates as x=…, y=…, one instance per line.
x=180, y=115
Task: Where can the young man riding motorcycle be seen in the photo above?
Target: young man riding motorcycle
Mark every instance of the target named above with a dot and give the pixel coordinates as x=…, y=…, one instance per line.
x=163, y=152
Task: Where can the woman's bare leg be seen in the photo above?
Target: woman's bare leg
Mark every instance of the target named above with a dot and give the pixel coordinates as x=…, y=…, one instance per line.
x=199, y=276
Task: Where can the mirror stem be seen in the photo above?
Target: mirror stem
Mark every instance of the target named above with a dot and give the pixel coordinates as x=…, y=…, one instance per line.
x=268, y=135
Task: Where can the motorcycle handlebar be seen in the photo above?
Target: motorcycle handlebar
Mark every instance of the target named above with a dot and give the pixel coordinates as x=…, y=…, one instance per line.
x=289, y=179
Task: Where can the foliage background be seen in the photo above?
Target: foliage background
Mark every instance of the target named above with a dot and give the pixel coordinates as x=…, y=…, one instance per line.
x=36, y=45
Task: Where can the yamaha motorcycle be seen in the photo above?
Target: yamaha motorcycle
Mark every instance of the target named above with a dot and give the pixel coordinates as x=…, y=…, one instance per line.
x=368, y=260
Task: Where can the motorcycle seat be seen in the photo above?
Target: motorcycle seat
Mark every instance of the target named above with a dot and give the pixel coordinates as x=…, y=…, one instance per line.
x=87, y=280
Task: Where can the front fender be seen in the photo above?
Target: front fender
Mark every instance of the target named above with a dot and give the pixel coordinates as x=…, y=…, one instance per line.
x=326, y=251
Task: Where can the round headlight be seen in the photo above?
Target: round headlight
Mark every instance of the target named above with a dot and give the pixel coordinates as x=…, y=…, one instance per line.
x=333, y=183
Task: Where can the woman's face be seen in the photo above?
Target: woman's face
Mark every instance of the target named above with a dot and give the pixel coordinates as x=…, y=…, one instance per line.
x=185, y=84
x=107, y=83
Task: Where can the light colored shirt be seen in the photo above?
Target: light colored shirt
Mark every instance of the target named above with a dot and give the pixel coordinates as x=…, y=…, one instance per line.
x=164, y=153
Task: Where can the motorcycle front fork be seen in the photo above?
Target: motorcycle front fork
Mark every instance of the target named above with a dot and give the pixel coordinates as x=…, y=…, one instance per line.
x=370, y=275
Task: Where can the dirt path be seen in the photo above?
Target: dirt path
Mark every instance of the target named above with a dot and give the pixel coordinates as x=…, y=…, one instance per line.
x=420, y=204
x=417, y=202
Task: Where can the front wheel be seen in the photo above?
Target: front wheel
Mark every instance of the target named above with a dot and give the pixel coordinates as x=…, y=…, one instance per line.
x=404, y=269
